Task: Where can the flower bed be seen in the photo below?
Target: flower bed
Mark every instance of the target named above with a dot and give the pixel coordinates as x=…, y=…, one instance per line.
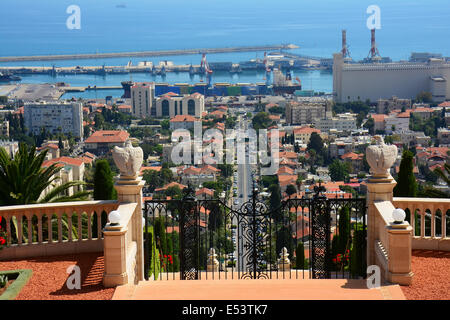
x=17, y=279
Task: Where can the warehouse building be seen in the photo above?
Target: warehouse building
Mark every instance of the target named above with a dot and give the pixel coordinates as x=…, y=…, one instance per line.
x=374, y=81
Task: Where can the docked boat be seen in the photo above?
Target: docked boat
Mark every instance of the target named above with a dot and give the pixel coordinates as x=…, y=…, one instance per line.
x=9, y=77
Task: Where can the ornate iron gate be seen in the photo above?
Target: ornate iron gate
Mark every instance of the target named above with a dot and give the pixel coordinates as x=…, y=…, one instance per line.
x=183, y=236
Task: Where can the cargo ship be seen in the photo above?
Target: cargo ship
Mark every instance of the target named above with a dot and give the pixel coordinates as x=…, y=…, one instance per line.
x=9, y=77
x=282, y=83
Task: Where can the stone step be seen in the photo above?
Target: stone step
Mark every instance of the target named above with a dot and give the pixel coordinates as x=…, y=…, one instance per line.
x=289, y=289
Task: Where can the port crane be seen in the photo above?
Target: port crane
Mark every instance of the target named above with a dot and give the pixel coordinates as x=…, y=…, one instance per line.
x=204, y=66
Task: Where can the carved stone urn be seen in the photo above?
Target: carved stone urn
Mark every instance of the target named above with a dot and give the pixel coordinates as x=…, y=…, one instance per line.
x=380, y=158
x=129, y=160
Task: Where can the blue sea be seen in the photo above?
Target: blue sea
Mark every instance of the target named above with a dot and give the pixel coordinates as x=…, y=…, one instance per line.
x=38, y=27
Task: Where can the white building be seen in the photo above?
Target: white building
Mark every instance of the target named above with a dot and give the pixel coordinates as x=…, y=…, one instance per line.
x=374, y=81
x=142, y=96
x=396, y=122
x=306, y=111
x=443, y=136
x=341, y=122
x=66, y=117
x=171, y=105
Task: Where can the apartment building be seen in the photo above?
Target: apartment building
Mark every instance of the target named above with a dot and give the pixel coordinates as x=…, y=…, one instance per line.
x=64, y=117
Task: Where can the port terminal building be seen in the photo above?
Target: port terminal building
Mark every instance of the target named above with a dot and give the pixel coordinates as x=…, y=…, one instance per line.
x=377, y=80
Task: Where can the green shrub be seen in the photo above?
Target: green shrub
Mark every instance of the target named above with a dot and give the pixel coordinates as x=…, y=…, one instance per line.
x=3, y=280
x=357, y=254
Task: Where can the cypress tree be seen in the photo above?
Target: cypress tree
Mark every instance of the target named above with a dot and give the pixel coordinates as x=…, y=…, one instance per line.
x=406, y=181
x=103, y=189
x=344, y=229
x=300, y=256
x=103, y=182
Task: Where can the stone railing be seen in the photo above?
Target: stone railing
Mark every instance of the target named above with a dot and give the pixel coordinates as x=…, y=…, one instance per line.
x=391, y=245
x=430, y=221
x=54, y=228
x=121, y=247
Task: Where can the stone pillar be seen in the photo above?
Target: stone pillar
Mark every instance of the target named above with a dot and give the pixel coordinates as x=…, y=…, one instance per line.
x=378, y=189
x=213, y=263
x=380, y=186
x=284, y=264
x=130, y=191
x=114, y=251
x=400, y=246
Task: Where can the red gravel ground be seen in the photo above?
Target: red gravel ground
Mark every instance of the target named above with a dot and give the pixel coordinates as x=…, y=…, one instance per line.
x=431, y=279
x=48, y=281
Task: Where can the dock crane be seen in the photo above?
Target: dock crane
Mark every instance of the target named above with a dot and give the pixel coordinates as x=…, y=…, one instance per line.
x=204, y=67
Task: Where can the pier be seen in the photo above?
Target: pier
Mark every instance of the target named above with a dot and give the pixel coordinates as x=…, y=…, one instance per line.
x=147, y=53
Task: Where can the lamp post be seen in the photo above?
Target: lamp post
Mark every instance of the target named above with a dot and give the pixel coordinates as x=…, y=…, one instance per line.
x=114, y=218
x=399, y=216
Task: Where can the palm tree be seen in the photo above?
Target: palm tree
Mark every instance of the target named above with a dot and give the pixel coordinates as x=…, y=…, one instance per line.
x=445, y=176
x=23, y=180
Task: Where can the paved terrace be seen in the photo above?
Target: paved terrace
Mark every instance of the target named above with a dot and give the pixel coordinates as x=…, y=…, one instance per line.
x=431, y=269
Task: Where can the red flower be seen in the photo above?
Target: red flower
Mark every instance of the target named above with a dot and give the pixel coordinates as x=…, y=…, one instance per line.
x=334, y=260
x=2, y=240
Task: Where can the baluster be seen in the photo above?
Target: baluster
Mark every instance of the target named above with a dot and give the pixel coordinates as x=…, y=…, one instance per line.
x=60, y=213
x=422, y=224
x=30, y=228
x=80, y=226
x=50, y=225
x=99, y=224
x=433, y=223
x=8, y=230
x=89, y=224
x=69, y=224
x=444, y=223
x=19, y=218
x=412, y=218
x=39, y=217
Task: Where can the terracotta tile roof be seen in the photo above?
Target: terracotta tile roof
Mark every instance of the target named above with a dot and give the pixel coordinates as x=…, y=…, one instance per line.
x=206, y=191
x=86, y=160
x=285, y=180
x=274, y=117
x=183, y=118
x=306, y=130
x=209, y=169
x=65, y=160
x=218, y=114
x=108, y=136
x=89, y=155
x=287, y=155
x=124, y=106
x=445, y=104
x=141, y=172
x=172, y=184
x=352, y=156
x=49, y=146
x=378, y=117
x=285, y=170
